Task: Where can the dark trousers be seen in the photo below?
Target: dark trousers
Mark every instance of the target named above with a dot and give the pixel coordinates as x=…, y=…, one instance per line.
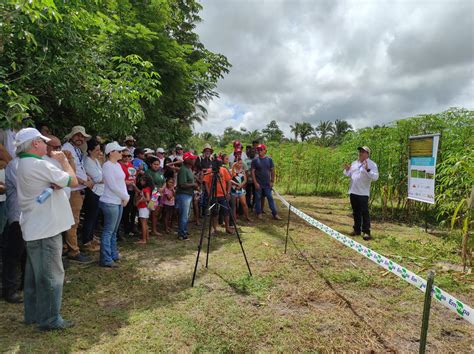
x=360, y=210
x=129, y=214
x=250, y=194
x=91, y=214
x=14, y=257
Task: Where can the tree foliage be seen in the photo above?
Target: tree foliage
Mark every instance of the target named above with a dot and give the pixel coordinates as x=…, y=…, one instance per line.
x=273, y=132
x=115, y=67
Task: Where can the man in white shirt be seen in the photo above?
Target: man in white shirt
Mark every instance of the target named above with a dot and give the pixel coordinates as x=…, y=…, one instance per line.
x=130, y=143
x=42, y=224
x=160, y=154
x=361, y=172
x=75, y=139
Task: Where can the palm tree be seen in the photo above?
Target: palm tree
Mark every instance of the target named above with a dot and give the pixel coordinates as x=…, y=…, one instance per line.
x=341, y=128
x=325, y=129
x=295, y=129
x=306, y=129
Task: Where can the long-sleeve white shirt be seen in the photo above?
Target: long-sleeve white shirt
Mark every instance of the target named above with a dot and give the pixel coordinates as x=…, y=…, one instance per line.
x=115, y=190
x=94, y=171
x=360, y=178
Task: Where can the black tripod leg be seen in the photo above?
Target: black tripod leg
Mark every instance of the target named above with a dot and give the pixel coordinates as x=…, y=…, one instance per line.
x=235, y=227
x=200, y=246
x=209, y=237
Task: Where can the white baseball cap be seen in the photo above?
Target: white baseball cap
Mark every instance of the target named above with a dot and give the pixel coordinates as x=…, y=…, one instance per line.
x=148, y=151
x=160, y=150
x=27, y=134
x=113, y=146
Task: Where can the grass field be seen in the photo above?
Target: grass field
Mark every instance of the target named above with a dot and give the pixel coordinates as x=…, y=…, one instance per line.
x=319, y=297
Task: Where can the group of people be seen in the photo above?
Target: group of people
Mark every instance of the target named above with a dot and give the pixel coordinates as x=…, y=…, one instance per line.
x=48, y=184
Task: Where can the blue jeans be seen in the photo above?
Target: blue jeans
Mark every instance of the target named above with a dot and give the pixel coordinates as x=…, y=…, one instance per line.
x=262, y=193
x=183, y=203
x=44, y=277
x=108, y=242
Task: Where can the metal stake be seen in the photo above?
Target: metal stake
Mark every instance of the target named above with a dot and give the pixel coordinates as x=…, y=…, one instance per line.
x=426, y=311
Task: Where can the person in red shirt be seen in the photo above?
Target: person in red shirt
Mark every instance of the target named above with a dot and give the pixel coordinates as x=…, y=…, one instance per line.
x=222, y=195
x=130, y=211
x=145, y=186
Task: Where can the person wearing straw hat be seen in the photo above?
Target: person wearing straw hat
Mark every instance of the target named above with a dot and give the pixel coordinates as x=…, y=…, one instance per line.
x=75, y=139
x=361, y=172
x=130, y=143
x=160, y=155
x=45, y=214
x=204, y=161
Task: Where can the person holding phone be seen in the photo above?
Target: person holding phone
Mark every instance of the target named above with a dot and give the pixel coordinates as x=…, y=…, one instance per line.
x=361, y=172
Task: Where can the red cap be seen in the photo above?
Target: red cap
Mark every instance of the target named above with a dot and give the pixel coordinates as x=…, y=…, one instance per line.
x=237, y=143
x=189, y=156
x=261, y=147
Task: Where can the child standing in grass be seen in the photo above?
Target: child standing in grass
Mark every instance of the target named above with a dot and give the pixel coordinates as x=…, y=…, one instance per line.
x=145, y=184
x=168, y=203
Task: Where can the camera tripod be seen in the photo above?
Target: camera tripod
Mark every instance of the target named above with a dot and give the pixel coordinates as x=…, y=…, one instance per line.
x=211, y=204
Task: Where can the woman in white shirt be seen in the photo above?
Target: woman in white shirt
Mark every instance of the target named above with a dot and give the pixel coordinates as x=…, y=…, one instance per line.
x=93, y=169
x=112, y=201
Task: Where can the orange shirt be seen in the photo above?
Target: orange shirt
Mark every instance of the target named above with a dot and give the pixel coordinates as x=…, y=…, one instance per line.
x=225, y=178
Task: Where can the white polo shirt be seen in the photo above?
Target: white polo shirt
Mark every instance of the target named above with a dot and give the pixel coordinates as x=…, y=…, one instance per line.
x=39, y=221
x=360, y=178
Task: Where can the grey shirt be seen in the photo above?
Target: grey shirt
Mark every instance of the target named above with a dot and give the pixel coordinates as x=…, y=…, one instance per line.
x=13, y=210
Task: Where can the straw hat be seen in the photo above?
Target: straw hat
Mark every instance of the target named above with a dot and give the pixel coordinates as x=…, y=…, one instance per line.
x=78, y=129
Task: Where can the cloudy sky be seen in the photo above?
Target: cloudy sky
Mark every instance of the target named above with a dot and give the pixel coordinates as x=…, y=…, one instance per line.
x=368, y=62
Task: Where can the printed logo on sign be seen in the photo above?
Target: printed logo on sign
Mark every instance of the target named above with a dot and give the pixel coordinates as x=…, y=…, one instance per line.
x=404, y=273
x=368, y=252
x=351, y=243
x=359, y=248
x=390, y=265
x=378, y=258
x=459, y=308
x=438, y=295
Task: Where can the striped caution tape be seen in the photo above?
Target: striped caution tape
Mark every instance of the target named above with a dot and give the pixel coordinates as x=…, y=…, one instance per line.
x=463, y=310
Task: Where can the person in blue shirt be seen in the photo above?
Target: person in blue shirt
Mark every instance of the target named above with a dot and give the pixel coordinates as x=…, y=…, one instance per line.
x=263, y=175
x=139, y=160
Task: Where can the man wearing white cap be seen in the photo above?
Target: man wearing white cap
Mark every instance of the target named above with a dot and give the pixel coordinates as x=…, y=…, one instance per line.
x=361, y=172
x=42, y=220
x=75, y=139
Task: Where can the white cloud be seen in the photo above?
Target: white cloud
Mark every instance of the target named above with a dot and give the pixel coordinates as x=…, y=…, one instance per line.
x=367, y=62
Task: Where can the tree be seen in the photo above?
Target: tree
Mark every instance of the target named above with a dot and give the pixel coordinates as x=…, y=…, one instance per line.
x=273, y=132
x=115, y=67
x=295, y=129
x=306, y=130
x=325, y=130
x=341, y=128
x=230, y=135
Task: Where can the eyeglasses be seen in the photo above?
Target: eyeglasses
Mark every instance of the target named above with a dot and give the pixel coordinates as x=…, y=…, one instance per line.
x=126, y=156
